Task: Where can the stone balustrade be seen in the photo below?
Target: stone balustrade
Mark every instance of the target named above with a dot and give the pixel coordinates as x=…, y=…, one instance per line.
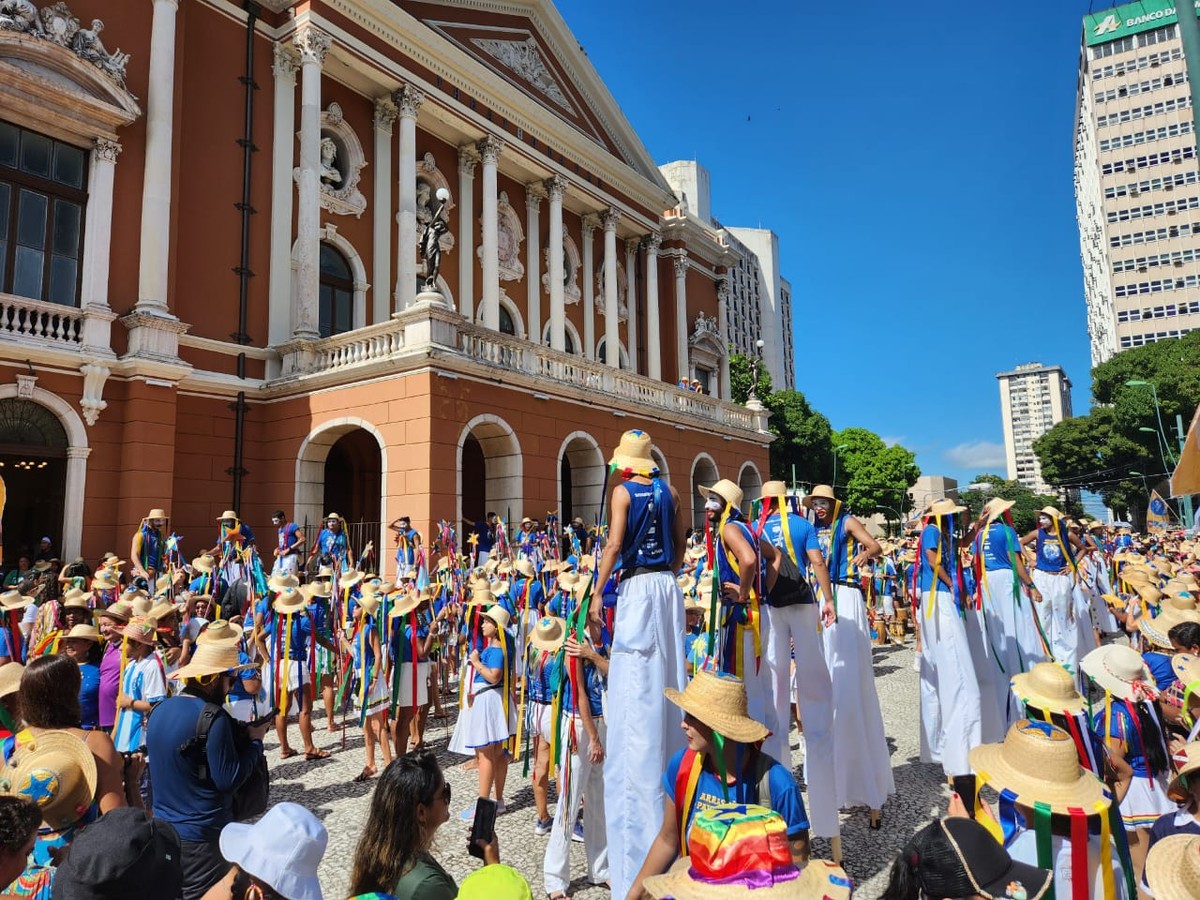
x=41, y=324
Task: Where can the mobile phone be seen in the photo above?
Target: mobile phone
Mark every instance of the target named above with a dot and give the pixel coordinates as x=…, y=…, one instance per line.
x=485, y=823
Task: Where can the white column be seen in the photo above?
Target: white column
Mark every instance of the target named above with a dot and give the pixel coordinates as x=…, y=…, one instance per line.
x=408, y=102
x=533, y=284
x=93, y=280
x=76, y=484
x=466, y=233
x=489, y=151
x=631, y=341
x=155, y=248
x=283, y=155
x=556, y=187
x=313, y=45
x=385, y=115
x=723, y=322
x=681, y=335
x=589, y=225
x=612, y=319
x=653, y=331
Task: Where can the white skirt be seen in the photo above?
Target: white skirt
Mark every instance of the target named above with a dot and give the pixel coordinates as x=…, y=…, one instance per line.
x=404, y=697
x=377, y=697
x=1144, y=802
x=488, y=723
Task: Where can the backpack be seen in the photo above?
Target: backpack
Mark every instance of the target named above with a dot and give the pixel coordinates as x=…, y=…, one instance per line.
x=790, y=588
x=253, y=796
x=692, y=761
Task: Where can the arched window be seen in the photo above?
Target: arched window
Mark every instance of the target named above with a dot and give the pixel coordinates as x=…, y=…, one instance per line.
x=337, y=293
x=506, y=322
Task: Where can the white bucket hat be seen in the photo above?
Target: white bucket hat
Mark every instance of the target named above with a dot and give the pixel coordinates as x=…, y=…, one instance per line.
x=283, y=849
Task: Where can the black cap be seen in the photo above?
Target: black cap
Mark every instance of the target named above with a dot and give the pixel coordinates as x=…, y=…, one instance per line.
x=124, y=853
x=958, y=857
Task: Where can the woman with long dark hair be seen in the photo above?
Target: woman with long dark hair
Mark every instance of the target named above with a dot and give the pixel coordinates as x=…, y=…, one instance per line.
x=82, y=645
x=50, y=702
x=411, y=801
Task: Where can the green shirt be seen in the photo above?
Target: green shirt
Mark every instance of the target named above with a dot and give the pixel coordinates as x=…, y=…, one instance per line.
x=426, y=880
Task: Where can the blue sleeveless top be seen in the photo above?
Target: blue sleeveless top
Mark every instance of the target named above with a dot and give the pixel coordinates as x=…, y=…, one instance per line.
x=1050, y=555
x=648, y=539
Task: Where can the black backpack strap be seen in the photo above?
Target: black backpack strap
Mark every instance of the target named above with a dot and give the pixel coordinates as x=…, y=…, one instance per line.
x=199, y=740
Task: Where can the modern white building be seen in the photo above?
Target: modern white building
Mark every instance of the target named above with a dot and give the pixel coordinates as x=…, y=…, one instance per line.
x=759, y=299
x=1137, y=187
x=1033, y=398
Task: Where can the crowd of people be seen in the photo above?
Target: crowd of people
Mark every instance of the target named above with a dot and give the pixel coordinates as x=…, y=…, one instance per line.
x=645, y=677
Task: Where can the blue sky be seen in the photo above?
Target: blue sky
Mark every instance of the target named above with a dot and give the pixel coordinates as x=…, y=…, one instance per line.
x=916, y=162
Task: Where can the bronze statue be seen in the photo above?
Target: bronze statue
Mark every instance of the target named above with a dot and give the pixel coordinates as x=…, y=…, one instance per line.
x=431, y=247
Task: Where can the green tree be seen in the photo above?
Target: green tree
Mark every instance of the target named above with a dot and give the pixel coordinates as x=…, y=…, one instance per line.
x=802, y=438
x=1025, y=502
x=872, y=476
x=740, y=370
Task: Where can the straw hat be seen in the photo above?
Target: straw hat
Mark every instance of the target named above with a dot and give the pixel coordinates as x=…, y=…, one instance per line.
x=212, y=659
x=685, y=582
x=141, y=629
x=526, y=521
x=1186, y=762
x=228, y=514
x=481, y=597
x=56, y=771
x=410, y=601
x=118, y=611
x=549, y=634
x=139, y=603
x=112, y=563
x=220, y=631
x=325, y=573
x=105, y=580
x=996, y=507
x=333, y=515
x=1186, y=667
x=1039, y=763
x=162, y=585
x=1151, y=595
x=1173, y=867
x=370, y=602
x=499, y=615
x=725, y=490
x=500, y=588
x=14, y=599
x=290, y=600
x=1050, y=687
x=204, y=563
x=1175, y=611
x=567, y=580
x=76, y=599
x=587, y=561
x=633, y=453
x=719, y=701
x=350, y=578
x=525, y=567
x=84, y=632
x=161, y=611
x=774, y=489
x=819, y=492
x=696, y=553
x=10, y=678
x=1051, y=511
x=945, y=508
x=1120, y=669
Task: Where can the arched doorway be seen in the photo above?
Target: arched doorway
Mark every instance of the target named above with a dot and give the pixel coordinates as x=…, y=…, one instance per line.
x=580, y=479
x=751, y=484
x=33, y=467
x=353, y=485
x=489, y=471
x=704, y=472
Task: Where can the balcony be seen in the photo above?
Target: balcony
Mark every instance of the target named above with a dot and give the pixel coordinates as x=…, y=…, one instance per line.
x=430, y=333
x=52, y=333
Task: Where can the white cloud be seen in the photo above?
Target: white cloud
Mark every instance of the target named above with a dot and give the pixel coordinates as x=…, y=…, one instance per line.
x=891, y=440
x=979, y=456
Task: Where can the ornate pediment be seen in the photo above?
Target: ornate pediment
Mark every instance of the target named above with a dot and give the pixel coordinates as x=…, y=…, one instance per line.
x=57, y=24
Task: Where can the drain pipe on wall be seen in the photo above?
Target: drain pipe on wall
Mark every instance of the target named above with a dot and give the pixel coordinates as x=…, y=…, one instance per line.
x=242, y=270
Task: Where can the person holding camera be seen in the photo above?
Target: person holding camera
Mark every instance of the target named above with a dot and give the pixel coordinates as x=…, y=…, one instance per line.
x=202, y=762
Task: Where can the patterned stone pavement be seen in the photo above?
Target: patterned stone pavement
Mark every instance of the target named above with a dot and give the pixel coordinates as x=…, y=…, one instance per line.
x=327, y=789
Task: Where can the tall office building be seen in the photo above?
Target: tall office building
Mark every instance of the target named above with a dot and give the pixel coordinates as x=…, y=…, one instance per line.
x=1136, y=181
x=1033, y=398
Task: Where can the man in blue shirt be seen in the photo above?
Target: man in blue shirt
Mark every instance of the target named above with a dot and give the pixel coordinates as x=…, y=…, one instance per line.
x=195, y=779
x=290, y=545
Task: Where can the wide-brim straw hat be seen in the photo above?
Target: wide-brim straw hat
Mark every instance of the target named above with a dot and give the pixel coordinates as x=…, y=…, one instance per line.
x=142, y=629
x=281, y=582
x=1187, y=761
x=1052, y=512
x=1186, y=667
x=944, y=507
x=818, y=880
x=84, y=633
x=1119, y=669
x=697, y=553
x=76, y=599
x=212, y=659
x=1156, y=629
x=725, y=490
x=1173, y=867
x=290, y=600
x=370, y=602
x=587, y=561
x=549, y=634
x=325, y=573
x=567, y=580
x=499, y=615
x=350, y=578
x=1050, y=687
x=10, y=678
x=633, y=453
x=1150, y=595
x=162, y=585
x=156, y=513
x=14, y=599
x=228, y=514
x=819, y=492
x=112, y=564
x=332, y=515
x=525, y=567
x=719, y=701
x=162, y=611
x=1039, y=763
x=320, y=588
x=221, y=631
x=996, y=507
x=204, y=563
x=500, y=588
x=409, y=602
x=481, y=597
x=139, y=603
x=685, y=582
x=118, y=611
x=57, y=771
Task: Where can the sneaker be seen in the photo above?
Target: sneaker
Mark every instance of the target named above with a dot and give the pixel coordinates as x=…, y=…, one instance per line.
x=501, y=809
x=467, y=815
x=542, y=827
x=577, y=833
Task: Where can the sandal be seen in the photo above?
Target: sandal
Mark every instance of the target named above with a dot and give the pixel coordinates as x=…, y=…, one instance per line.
x=557, y=895
x=287, y=754
x=365, y=775
x=311, y=755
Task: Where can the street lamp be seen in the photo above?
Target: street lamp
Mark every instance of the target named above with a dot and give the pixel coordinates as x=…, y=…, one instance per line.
x=899, y=515
x=754, y=364
x=1161, y=451
x=1137, y=382
x=1145, y=486
x=836, y=450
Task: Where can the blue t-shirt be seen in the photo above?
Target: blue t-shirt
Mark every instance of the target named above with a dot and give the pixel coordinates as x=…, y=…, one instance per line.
x=401, y=642
x=648, y=539
x=89, y=695
x=995, y=540
x=785, y=796
x=302, y=630
x=238, y=691
x=804, y=536
x=932, y=538
x=537, y=595
x=1124, y=729
x=1050, y=555
x=1160, y=667
x=542, y=678
x=594, y=684
x=288, y=535
x=491, y=658
x=885, y=586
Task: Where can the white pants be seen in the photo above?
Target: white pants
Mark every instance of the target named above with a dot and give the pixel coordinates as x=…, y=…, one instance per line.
x=760, y=705
x=286, y=565
x=981, y=640
x=1013, y=636
x=1055, y=612
x=949, y=690
x=643, y=726
x=587, y=780
x=864, y=768
x=783, y=628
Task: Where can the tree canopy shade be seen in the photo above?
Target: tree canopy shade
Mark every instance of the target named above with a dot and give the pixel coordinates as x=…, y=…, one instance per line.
x=1025, y=502
x=873, y=477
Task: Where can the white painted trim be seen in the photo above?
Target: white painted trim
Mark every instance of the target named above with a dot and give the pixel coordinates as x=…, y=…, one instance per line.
x=621, y=345
x=513, y=310
x=590, y=510
x=571, y=329
x=310, y=474
x=77, y=456
x=749, y=496
x=226, y=348
x=660, y=460
x=510, y=483
x=697, y=503
x=328, y=234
